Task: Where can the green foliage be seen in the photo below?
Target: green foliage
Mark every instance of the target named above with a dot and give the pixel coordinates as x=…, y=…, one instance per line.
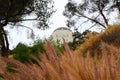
x=38, y=45
x=25, y=53
x=37, y=48
x=21, y=53
x=43, y=11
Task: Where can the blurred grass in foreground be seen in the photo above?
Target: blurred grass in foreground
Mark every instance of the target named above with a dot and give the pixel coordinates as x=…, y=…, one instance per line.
x=69, y=66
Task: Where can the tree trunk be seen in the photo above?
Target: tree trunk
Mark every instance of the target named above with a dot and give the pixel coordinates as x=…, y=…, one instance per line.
x=4, y=42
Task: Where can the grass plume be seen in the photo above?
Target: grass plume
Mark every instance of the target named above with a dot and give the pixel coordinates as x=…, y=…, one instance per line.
x=69, y=66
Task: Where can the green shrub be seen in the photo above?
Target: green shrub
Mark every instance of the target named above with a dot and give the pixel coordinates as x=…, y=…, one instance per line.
x=21, y=53
x=38, y=46
x=25, y=53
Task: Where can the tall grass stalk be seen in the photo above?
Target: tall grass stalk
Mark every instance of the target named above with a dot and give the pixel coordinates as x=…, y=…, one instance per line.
x=69, y=66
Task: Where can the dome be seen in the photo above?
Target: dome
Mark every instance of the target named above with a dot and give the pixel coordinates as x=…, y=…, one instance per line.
x=62, y=28
x=62, y=33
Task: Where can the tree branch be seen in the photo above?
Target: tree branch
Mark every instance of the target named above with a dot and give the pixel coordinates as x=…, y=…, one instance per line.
x=23, y=20
x=101, y=13
x=92, y=26
x=32, y=32
x=24, y=27
x=81, y=15
x=82, y=23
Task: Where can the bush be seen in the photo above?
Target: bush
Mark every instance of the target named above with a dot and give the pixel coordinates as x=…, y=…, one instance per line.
x=21, y=53
x=37, y=48
x=25, y=53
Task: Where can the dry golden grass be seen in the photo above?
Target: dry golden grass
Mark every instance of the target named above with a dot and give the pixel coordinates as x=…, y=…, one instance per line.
x=69, y=66
x=92, y=45
x=110, y=36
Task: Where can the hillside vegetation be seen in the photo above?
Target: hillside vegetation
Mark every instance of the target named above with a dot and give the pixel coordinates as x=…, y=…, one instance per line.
x=93, y=45
x=71, y=65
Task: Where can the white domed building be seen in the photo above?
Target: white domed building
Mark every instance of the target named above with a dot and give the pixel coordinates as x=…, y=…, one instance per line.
x=61, y=33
